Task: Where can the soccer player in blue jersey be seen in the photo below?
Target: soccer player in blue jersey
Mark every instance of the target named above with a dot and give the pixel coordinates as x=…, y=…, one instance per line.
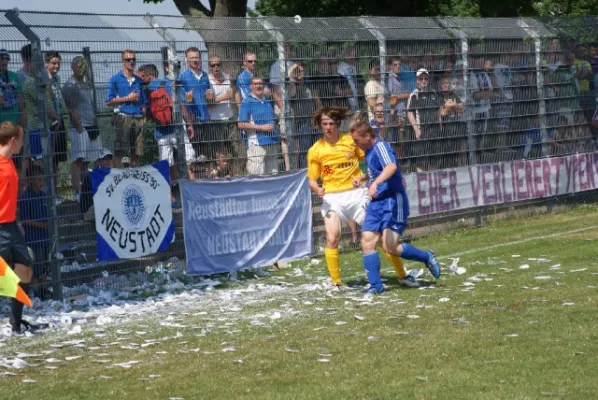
x=386, y=214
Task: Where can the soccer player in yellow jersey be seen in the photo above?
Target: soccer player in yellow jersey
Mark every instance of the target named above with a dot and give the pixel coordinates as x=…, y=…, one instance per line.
x=334, y=159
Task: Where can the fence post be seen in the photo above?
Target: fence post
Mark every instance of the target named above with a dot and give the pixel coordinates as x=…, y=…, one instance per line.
x=48, y=157
x=471, y=145
x=539, y=83
x=540, y=89
x=383, y=53
x=87, y=56
x=285, y=129
x=174, y=66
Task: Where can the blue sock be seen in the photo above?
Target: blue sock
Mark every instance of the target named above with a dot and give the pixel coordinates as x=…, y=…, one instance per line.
x=371, y=262
x=414, y=254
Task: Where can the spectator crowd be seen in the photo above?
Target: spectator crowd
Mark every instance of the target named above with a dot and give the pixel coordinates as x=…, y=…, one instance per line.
x=435, y=109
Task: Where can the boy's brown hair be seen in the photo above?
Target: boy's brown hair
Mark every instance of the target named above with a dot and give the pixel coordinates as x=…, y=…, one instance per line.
x=8, y=130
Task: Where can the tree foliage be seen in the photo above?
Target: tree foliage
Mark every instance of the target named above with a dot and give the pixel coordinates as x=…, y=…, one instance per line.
x=416, y=8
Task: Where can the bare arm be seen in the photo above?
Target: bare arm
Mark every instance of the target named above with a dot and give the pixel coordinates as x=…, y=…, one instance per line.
x=249, y=126
x=386, y=173
x=413, y=121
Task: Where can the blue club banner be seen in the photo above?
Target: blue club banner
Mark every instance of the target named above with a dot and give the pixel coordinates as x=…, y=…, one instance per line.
x=133, y=211
x=246, y=222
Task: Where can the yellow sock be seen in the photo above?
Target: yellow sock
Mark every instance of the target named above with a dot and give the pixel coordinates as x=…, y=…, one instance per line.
x=397, y=264
x=333, y=265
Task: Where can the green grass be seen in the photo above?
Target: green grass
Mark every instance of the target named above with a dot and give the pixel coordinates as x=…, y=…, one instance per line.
x=458, y=349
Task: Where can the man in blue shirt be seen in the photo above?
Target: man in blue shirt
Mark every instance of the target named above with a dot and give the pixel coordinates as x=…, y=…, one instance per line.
x=257, y=120
x=196, y=93
x=125, y=95
x=386, y=214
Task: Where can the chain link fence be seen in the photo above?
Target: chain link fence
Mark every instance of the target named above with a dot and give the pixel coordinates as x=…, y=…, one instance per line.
x=520, y=89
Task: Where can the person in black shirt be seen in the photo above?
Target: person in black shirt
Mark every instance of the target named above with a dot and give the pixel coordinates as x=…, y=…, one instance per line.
x=423, y=111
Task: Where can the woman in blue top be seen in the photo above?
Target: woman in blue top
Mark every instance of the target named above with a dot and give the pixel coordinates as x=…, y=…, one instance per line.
x=386, y=214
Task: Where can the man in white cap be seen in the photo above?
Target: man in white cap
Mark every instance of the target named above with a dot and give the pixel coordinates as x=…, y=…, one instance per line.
x=423, y=111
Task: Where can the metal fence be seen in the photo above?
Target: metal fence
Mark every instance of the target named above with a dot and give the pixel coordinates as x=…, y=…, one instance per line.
x=523, y=88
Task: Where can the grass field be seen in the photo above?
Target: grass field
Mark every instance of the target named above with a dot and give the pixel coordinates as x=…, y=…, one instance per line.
x=497, y=332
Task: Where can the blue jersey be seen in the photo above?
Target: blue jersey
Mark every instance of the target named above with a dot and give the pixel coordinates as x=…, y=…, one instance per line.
x=378, y=157
x=390, y=208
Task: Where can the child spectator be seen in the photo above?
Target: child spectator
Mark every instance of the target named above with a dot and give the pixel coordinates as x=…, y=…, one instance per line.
x=221, y=170
x=34, y=218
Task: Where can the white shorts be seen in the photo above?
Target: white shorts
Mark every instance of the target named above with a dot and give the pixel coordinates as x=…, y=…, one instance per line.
x=82, y=147
x=167, y=146
x=262, y=160
x=349, y=205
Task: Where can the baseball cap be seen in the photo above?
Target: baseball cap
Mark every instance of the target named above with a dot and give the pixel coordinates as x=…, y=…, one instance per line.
x=422, y=71
x=200, y=159
x=104, y=154
x=4, y=54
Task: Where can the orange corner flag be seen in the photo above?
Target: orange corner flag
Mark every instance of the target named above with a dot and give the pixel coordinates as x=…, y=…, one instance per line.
x=9, y=284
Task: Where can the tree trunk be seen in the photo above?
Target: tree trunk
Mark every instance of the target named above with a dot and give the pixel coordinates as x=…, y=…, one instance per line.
x=218, y=8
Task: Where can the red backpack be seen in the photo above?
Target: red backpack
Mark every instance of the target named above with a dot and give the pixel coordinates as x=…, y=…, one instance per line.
x=161, y=105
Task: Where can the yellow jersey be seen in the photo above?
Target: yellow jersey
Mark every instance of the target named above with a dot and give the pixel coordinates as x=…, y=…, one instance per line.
x=335, y=164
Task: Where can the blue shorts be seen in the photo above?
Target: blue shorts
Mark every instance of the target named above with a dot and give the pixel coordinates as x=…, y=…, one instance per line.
x=35, y=145
x=390, y=213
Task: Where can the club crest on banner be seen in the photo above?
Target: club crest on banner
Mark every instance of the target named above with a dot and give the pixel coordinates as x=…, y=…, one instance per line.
x=133, y=211
x=134, y=205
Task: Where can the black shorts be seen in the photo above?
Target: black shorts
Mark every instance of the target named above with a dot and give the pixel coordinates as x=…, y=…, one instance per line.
x=12, y=246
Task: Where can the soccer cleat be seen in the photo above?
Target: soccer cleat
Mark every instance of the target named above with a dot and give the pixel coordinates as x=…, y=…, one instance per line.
x=433, y=265
x=24, y=326
x=334, y=287
x=409, y=281
x=373, y=290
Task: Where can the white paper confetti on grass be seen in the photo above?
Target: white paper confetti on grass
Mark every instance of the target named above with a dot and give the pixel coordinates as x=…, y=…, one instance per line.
x=71, y=358
x=359, y=317
x=28, y=381
x=323, y=360
x=340, y=323
x=422, y=378
x=579, y=270
x=289, y=350
x=443, y=299
x=412, y=316
x=542, y=277
x=512, y=335
x=524, y=266
x=126, y=365
x=569, y=303
x=516, y=255
x=19, y=364
x=228, y=349
x=455, y=268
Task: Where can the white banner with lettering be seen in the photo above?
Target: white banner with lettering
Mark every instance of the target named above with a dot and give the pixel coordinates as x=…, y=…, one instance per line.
x=133, y=211
x=487, y=184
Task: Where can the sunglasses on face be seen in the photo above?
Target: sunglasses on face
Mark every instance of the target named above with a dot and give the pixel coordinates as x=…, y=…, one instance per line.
x=251, y=61
x=130, y=60
x=215, y=65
